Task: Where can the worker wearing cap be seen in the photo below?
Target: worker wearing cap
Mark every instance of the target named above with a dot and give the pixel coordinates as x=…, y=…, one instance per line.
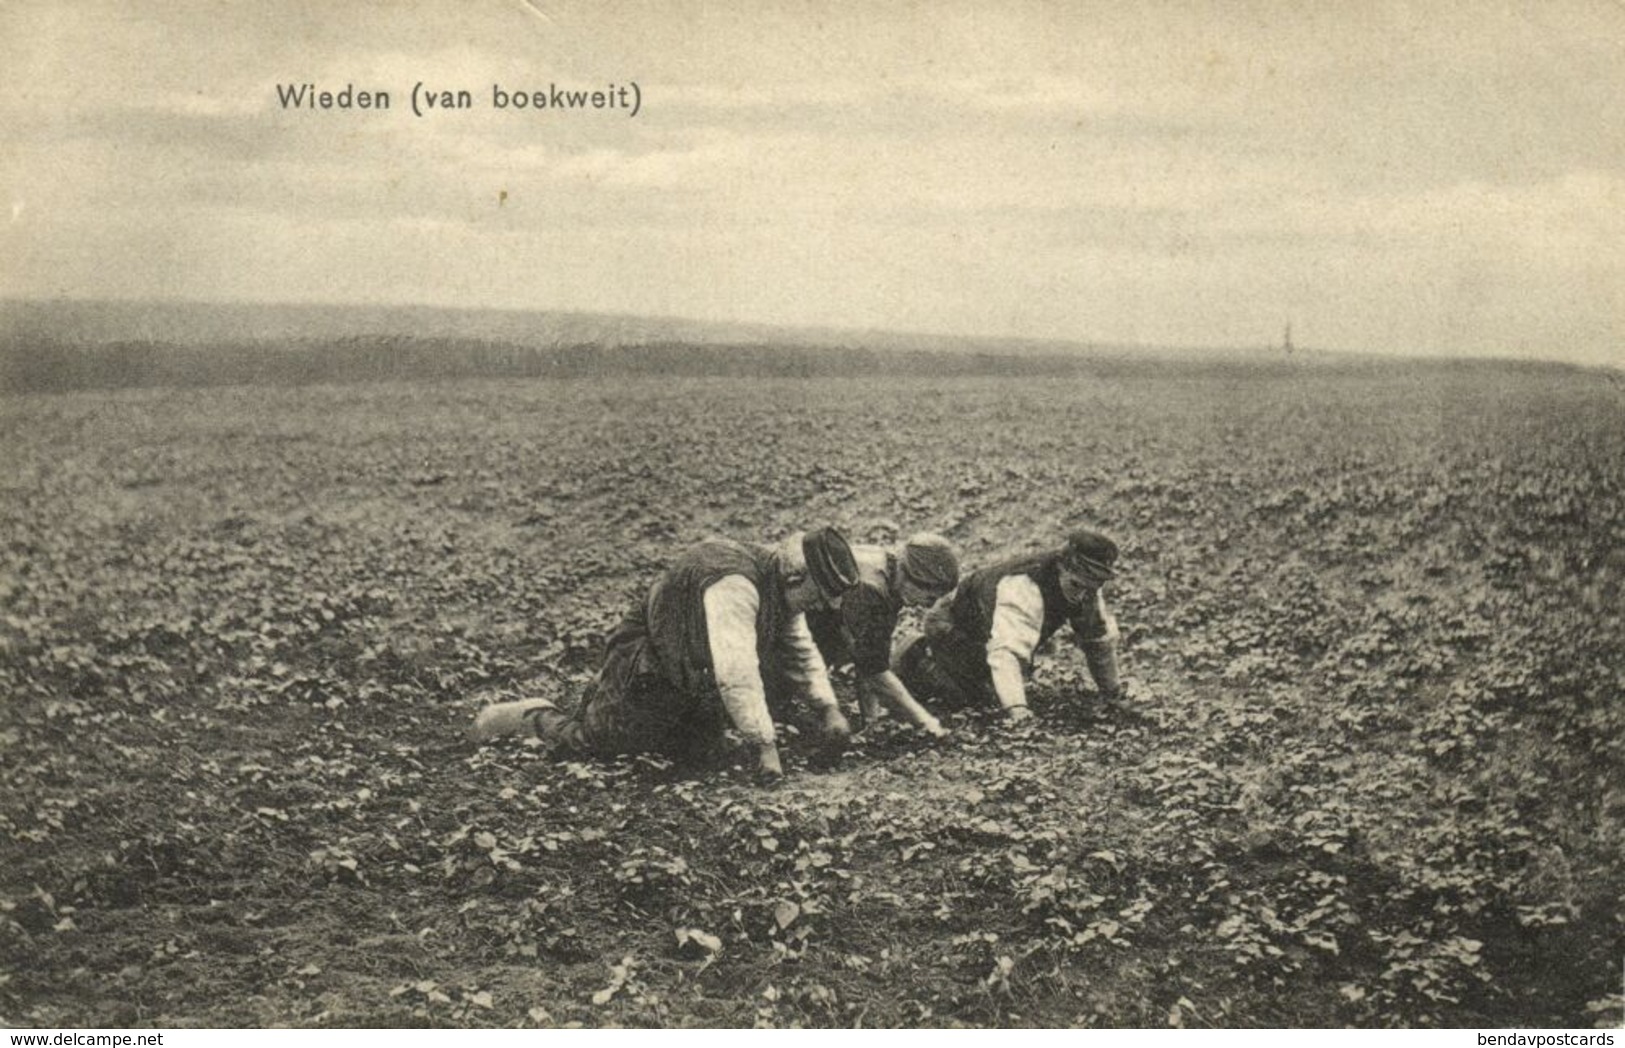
x=915, y=573
x=722, y=626
x=979, y=642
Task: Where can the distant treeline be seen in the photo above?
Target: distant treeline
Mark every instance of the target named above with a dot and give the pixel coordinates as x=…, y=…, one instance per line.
x=56, y=367
x=62, y=366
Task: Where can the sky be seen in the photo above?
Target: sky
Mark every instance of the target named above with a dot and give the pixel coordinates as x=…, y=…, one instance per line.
x=1441, y=178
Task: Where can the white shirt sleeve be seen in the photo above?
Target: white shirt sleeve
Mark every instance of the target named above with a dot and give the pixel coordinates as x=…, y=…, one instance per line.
x=1018, y=618
x=731, y=604
x=804, y=665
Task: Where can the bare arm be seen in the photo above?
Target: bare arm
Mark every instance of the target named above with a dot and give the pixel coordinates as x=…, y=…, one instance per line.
x=885, y=687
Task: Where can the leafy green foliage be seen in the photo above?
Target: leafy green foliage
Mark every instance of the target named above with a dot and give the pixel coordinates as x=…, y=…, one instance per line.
x=1372, y=623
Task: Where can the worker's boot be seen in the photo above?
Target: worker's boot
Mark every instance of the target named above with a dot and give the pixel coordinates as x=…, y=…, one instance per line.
x=519, y=717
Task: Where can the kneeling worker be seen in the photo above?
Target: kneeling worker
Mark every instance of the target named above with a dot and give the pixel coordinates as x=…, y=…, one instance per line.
x=725, y=624
x=979, y=642
x=916, y=573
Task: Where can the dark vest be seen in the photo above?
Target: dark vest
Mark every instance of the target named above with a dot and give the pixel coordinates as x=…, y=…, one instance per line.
x=974, y=602
x=675, y=608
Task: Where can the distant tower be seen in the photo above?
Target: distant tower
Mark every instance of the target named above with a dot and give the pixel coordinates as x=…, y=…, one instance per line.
x=1286, y=340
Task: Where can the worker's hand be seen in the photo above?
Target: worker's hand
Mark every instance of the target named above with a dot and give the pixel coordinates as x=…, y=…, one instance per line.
x=1017, y=715
x=768, y=768
x=869, y=706
x=933, y=727
x=834, y=733
x=837, y=732
x=1127, y=701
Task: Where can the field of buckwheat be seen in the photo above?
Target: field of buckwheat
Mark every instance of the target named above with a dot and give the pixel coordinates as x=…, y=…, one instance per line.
x=1372, y=617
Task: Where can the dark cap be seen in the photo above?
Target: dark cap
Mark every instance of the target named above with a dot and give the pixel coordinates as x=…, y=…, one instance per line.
x=1090, y=553
x=829, y=561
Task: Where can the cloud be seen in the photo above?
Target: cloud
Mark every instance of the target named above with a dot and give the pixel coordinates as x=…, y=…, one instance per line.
x=1385, y=173
x=700, y=165
x=1575, y=218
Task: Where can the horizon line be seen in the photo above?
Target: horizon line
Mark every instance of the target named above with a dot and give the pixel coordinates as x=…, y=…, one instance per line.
x=1037, y=341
